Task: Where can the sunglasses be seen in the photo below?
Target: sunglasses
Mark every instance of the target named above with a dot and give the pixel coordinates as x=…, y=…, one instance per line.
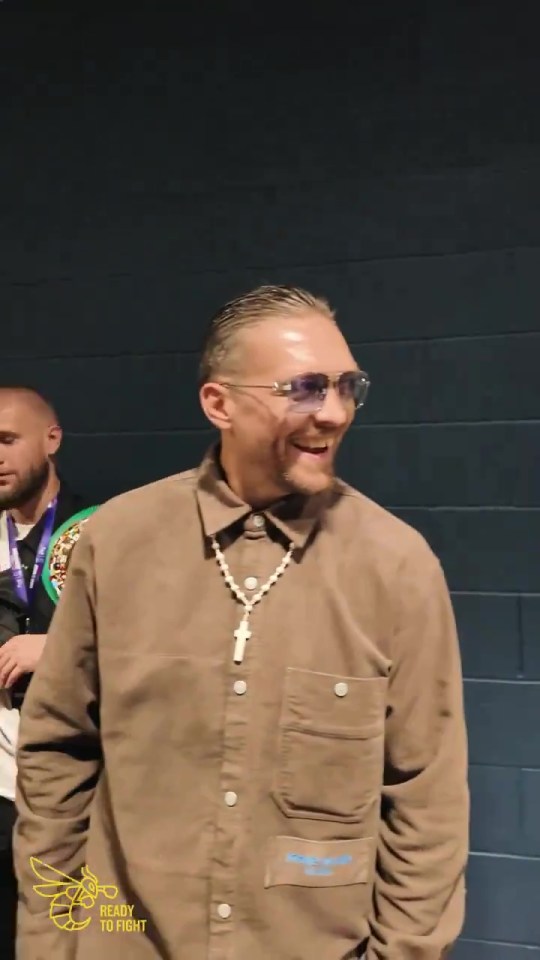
x=308, y=391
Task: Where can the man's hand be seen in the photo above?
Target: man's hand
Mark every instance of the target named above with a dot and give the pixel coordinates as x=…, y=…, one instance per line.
x=20, y=655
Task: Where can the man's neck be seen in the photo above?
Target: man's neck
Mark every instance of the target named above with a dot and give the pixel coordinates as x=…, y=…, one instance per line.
x=253, y=494
x=32, y=511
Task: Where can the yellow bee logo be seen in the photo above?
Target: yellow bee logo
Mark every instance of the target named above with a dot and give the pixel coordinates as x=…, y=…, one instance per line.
x=67, y=894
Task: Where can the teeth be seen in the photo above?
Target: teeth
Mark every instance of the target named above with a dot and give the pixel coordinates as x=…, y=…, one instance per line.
x=314, y=446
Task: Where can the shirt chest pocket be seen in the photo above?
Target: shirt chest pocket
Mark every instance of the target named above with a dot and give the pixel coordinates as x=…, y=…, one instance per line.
x=331, y=746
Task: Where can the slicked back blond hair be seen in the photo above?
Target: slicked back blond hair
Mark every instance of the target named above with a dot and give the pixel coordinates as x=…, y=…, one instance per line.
x=263, y=303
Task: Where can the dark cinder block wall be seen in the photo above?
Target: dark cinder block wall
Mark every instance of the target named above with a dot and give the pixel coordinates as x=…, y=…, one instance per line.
x=386, y=155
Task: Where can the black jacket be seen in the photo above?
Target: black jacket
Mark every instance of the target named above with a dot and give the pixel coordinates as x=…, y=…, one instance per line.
x=12, y=613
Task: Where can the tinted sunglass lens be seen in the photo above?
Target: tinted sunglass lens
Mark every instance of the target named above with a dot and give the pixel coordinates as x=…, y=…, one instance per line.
x=309, y=390
x=354, y=386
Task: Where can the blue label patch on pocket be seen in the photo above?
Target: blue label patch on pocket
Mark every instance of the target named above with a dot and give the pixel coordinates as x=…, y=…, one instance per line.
x=318, y=863
x=318, y=866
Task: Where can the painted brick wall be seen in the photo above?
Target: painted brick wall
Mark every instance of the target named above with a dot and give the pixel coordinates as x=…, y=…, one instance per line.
x=153, y=165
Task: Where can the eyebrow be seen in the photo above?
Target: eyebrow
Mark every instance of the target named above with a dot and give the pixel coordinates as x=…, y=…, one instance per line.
x=7, y=435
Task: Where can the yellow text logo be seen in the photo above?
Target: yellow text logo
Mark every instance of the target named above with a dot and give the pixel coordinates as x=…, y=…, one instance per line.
x=69, y=896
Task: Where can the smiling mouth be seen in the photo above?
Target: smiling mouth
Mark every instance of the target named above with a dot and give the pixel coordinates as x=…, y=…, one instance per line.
x=316, y=450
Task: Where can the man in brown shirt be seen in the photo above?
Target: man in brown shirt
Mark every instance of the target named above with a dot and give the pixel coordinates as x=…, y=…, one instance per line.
x=248, y=720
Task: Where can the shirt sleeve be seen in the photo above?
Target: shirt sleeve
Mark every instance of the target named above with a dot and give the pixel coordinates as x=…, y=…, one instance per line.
x=59, y=760
x=419, y=892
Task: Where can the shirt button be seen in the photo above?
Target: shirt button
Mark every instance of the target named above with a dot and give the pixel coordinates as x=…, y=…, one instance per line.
x=231, y=798
x=240, y=687
x=251, y=583
x=341, y=689
x=224, y=911
x=258, y=521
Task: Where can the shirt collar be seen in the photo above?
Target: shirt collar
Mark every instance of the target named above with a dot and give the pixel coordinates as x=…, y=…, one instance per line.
x=295, y=516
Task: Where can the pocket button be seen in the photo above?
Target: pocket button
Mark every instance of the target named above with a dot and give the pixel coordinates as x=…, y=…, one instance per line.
x=341, y=689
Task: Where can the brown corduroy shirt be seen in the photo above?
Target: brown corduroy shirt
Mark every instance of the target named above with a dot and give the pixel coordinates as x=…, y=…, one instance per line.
x=306, y=804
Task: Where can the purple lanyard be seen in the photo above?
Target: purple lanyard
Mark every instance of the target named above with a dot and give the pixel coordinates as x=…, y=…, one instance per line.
x=24, y=593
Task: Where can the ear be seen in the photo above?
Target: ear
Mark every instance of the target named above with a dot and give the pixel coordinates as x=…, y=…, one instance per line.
x=216, y=404
x=54, y=439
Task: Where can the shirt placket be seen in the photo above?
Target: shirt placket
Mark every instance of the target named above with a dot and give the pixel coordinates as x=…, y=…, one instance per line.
x=239, y=706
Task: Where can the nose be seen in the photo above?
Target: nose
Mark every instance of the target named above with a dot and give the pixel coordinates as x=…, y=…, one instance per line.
x=334, y=410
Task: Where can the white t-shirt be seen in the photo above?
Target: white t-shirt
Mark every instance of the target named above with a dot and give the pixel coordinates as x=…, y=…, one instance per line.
x=9, y=716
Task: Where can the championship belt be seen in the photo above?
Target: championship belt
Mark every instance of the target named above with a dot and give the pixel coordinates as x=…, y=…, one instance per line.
x=59, y=552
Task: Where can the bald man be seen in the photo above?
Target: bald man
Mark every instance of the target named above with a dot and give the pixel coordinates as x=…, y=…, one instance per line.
x=33, y=503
